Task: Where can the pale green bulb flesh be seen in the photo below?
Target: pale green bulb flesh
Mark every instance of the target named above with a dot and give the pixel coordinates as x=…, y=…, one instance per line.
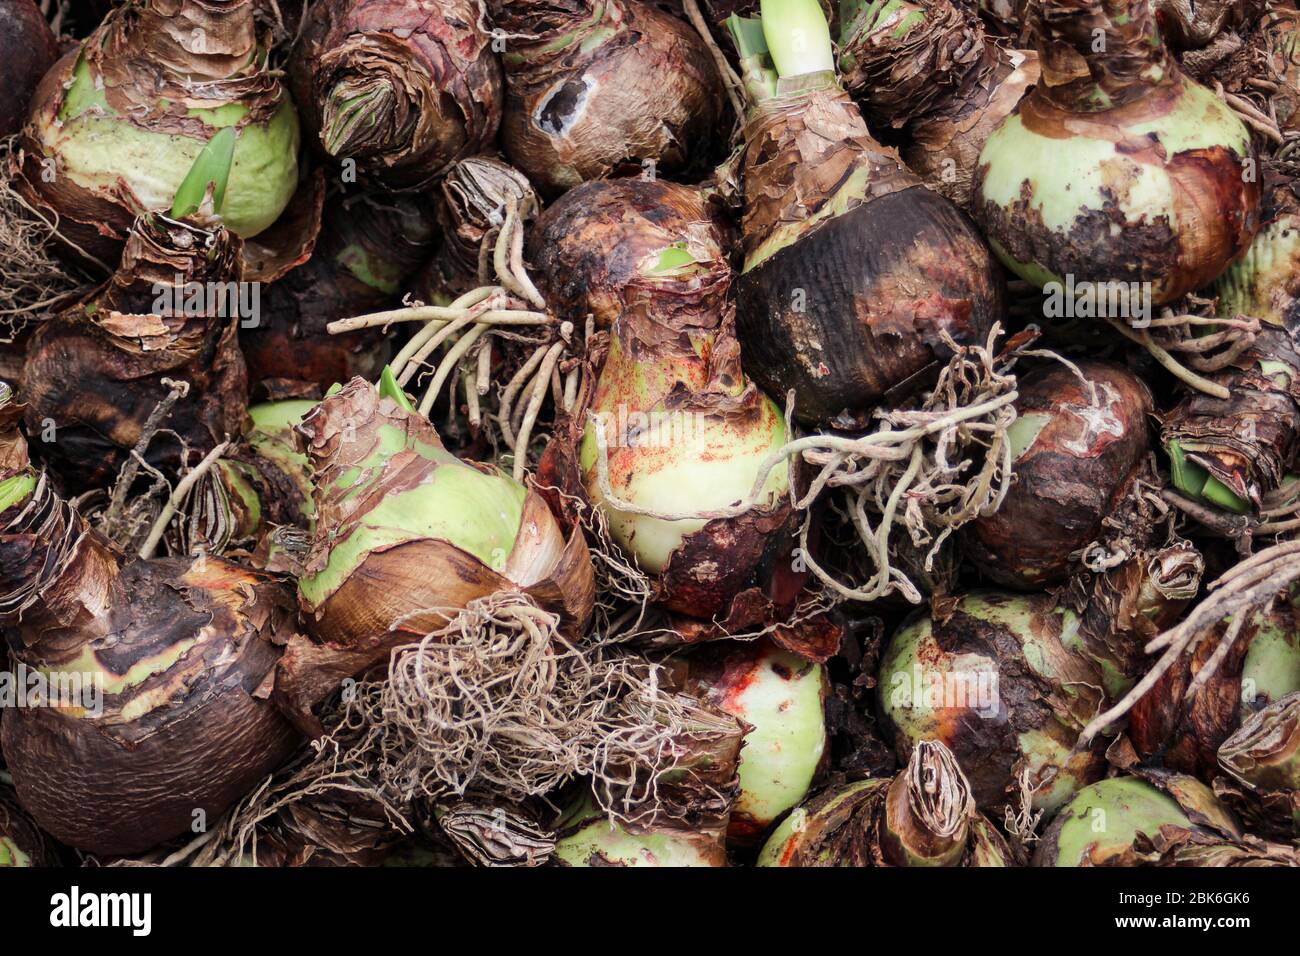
x=701, y=464
x=95, y=146
x=1111, y=813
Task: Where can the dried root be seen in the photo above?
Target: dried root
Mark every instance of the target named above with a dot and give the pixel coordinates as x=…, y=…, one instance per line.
x=1204, y=353
x=1248, y=587
x=499, y=701
x=486, y=327
x=32, y=280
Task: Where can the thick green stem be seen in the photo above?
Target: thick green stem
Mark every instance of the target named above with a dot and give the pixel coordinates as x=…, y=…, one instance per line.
x=798, y=37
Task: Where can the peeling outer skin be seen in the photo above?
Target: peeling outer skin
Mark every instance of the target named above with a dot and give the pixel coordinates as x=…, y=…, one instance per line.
x=21, y=841
x=590, y=93
x=596, y=250
x=186, y=652
x=429, y=63
x=1249, y=440
x=1278, y=38
x=1191, y=24
x=850, y=826
x=1049, y=693
x=291, y=239
x=1121, y=610
x=839, y=829
x=1136, y=128
x=944, y=151
x=1265, y=772
x=940, y=79
x=1080, y=459
x=27, y=52
x=399, y=593
x=140, y=56
x=368, y=250
x=815, y=638
x=96, y=370
x=668, y=364
x=928, y=811
x=1187, y=736
x=1263, y=753
x=881, y=284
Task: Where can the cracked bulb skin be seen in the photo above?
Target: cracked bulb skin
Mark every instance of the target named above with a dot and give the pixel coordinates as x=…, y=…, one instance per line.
x=595, y=88
x=1116, y=167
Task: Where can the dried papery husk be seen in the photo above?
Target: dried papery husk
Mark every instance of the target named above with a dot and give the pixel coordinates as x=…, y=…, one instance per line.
x=1191, y=24
x=1276, y=39
x=1079, y=442
x=927, y=68
x=587, y=837
x=923, y=817
x=95, y=373
x=1262, y=666
x=781, y=700
x=256, y=488
x=476, y=194
x=592, y=88
x=1006, y=682
x=854, y=272
x=406, y=533
x=403, y=88
x=1116, y=167
x=605, y=248
x=28, y=49
x=1154, y=818
x=1231, y=452
x=369, y=247
x=119, y=125
x=1263, y=757
x=493, y=833
x=174, y=657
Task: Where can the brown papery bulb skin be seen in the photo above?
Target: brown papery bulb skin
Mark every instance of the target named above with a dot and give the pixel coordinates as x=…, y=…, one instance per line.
x=96, y=372
x=474, y=193
x=404, y=87
x=413, y=586
x=27, y=51
x=928, y=68
x=176, y=655
x=597, y=248
x=588, y=95
x=1073, y=459
x=854, y=272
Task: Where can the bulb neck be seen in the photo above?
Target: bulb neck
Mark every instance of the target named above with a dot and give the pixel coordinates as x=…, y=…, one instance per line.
x=1100, y=54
